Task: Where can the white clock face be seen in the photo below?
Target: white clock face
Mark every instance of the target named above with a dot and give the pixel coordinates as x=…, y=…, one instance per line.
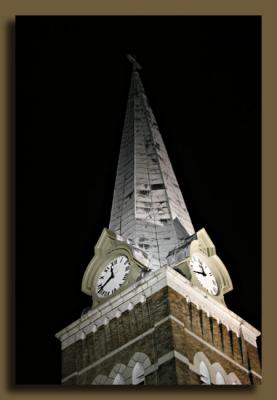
x=112, y=276
x=204, y=275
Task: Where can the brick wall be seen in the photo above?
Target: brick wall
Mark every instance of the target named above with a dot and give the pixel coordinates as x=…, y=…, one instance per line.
x=148, y=328
x=202, y=333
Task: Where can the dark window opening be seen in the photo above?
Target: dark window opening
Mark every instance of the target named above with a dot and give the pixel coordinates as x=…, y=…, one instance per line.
x=157, y=186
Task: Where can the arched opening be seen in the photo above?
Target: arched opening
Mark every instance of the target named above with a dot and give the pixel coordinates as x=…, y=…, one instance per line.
x=118, y=380
x=204, y=373
x=138, y=377
x=219, y=380
x=233, y=379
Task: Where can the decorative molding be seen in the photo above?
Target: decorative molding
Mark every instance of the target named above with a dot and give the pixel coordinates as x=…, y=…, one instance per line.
x=210, y=306
x=142, y=299
x=69, y=377
x=126, y=370
x=146, y=287
x=181, y=358
x=111, y=354
x=217, y=351
x=255, y=373
x=165, y=357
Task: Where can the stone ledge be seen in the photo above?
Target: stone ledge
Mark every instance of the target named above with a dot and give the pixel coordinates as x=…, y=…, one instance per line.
x=149, y=285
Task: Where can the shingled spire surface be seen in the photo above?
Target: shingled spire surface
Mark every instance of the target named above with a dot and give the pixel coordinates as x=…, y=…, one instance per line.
x=148, y=207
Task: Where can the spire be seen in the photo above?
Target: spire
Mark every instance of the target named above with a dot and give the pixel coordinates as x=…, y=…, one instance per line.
x=148, y=207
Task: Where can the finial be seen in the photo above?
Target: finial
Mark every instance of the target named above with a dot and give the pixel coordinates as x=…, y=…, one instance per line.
x=133, y=60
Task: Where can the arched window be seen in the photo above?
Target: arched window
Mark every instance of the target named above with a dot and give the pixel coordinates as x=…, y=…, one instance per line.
x=204, y=373
x=118, y=380
x=233, y=379
x=219, y=380
x=138, y=374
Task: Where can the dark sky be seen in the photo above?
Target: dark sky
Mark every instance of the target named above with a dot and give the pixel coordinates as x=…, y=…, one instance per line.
x=202, y=78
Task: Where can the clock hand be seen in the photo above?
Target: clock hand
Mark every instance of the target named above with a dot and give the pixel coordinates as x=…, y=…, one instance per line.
x=110, y=277
x=201, y=273
x=201, y=266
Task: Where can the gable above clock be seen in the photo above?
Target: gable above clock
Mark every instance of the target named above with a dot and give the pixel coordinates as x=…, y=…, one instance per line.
x=114, y=267
x=204, y=268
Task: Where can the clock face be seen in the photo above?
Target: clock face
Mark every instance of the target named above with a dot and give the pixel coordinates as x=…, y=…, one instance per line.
x=204, y=275
x=112, y=276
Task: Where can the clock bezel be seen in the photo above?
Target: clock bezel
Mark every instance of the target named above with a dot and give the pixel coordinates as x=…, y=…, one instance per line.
x=205, y=262
x=100, y=271
x=108, y=247
x=203, y=247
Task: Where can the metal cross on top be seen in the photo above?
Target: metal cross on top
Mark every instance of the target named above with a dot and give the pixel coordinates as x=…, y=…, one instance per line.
x=133, y=60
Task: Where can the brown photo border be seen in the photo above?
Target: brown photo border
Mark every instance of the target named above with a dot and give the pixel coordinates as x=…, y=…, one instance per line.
x=8, y=10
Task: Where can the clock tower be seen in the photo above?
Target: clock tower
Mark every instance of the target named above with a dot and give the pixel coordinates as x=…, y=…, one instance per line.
x=158, y=315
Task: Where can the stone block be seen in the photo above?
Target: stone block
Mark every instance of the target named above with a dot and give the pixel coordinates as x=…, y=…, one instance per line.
x=254, y=358
x=153, y=328
x=227, y=347
x=167, y=373
x=185, y=376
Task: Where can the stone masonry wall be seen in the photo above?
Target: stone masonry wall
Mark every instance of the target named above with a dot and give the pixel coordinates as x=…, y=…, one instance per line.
x=156, y=341
x=164, y=323
x=199, y=329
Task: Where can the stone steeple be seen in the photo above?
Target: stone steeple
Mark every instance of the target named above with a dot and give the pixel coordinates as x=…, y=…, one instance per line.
x=165, y=327
x=148, y=207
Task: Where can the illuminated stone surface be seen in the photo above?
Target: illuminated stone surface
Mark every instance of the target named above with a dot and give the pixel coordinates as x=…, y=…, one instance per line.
x=148, y=207
x=163, y=326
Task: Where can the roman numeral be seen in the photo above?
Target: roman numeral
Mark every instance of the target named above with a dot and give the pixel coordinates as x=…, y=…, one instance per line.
x=102, y=292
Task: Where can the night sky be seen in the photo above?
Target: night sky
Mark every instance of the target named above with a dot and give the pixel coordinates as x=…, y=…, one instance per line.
x=202, y=79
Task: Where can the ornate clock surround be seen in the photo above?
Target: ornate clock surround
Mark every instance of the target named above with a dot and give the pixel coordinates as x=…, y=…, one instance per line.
x=204, y=249
x=108, y=248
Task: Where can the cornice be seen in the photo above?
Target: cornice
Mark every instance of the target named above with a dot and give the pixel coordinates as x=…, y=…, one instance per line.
x=145, y=288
